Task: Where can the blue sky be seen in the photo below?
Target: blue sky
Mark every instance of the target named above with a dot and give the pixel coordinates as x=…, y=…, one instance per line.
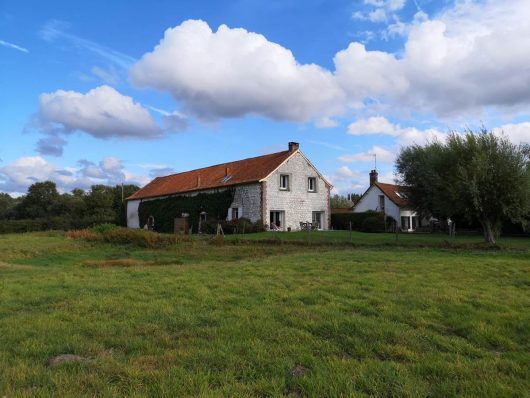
x=85, y=97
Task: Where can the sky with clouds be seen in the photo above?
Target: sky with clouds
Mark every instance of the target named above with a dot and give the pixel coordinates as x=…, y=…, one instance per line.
x=111, y=92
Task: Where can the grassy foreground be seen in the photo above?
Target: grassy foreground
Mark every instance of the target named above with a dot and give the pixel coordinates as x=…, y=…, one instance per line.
x=199, y=319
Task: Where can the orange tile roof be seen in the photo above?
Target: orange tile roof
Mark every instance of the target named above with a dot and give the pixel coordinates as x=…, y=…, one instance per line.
x=221, y=175
x=391, y=191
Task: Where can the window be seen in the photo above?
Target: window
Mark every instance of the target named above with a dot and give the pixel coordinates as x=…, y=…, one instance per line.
x=312, y=184
x=318, y=219
x=381, y=203
x=284, y=182
x=276, y=220
x=235, y=213
x=405, y=223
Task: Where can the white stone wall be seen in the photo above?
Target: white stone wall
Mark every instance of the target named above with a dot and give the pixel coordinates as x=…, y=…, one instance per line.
x=133, y=221
x=370, y=201
x=297, y=203
x=248, y=199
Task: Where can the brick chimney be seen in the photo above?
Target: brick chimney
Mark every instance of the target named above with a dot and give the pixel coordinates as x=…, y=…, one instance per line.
x=373, y=177
x=293, y=146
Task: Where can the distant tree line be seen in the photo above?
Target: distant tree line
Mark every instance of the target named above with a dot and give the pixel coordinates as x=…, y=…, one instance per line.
x=338, y=201
x=43, y=207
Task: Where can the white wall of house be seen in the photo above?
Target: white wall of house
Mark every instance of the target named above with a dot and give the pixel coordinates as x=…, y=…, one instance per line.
x=370, y=201
x=247, y=198
x=297, y=203
x=133, y=221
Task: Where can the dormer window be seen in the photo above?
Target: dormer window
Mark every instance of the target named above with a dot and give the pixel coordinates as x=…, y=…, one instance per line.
x=284, y=182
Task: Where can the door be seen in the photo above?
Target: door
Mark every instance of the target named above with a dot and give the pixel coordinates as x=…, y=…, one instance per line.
x=276, y=219
x=317, y=219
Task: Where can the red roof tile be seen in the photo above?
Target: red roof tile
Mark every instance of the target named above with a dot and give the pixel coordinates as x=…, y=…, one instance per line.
x=221, y=175
x=393, y=192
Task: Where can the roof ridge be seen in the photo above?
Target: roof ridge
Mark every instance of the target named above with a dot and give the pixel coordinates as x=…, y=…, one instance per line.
x=220, y=164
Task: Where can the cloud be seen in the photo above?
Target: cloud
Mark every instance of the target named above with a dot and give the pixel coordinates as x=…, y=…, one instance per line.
x=14, y=46
x=452, y=65
x=381, y=11
x=55, y=30
x=379, y=125
x=344, y=180
x=518, y=133
x=51, y=145
x=160, y=172
x=17, y=176
x=233, y=73
x=372, y=125
x=102, y=112
x=378, y=153
x=109, y=75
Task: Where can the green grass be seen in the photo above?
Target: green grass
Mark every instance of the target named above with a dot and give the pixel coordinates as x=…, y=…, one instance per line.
x=235, y=320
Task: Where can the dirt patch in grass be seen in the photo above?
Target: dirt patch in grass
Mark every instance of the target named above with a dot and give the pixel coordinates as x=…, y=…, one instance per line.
x=66, y=358
x=299, y=370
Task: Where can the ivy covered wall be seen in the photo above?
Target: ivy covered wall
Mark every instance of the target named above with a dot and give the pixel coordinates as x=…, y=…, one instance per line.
x=165, y=210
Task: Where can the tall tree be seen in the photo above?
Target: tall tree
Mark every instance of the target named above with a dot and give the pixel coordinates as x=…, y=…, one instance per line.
x=339, y=202
x=481, y=175
x=40, y=198
x=7, y=203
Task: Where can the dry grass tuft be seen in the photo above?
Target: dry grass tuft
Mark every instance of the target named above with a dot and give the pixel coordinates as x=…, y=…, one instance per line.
x=122, y=262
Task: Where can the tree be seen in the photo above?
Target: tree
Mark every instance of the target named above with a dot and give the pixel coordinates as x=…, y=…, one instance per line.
x=480, y=175
x=40, y=198
x=339, y=202
x=7, y=204
x=99, y=201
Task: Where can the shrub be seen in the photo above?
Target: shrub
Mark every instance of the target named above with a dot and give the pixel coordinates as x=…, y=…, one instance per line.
x=84, y=234
x=103, y=228
x=342, y=220
x=125, y=236
x=373, y=224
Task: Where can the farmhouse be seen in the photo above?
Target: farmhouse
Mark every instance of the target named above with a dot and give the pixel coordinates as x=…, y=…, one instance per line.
x=391, y=200
x=282, y=189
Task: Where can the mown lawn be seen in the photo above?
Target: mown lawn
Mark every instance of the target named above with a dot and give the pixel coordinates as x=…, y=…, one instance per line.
x=256, y=319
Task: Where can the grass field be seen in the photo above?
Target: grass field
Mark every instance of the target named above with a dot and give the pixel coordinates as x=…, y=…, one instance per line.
x=414, y=318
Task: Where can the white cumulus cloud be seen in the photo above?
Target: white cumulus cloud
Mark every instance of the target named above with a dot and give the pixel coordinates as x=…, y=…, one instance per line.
x=18, y=175
x=102, y=112
x=234, y=72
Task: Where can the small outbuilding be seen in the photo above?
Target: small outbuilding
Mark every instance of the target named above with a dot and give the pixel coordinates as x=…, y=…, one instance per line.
x=391, y=200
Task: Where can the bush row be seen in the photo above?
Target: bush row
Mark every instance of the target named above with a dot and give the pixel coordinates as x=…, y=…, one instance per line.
x=47, y=224
x=123, y=236
x=368, y=221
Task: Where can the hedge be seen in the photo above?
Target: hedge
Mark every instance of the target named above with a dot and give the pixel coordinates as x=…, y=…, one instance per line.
x=165, y=210
x=369, y=221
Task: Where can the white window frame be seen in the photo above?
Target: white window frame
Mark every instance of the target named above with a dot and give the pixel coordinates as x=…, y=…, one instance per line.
x=236, y=211
x=309, y=179
x=288, y=179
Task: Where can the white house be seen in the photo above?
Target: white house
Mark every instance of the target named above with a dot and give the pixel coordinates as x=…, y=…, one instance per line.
x=390, y=200
x=282, y=189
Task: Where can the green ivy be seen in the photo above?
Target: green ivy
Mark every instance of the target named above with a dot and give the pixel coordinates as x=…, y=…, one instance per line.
x=165, y=210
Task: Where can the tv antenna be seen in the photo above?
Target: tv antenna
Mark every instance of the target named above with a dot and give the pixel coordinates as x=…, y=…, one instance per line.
x=375, y=161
